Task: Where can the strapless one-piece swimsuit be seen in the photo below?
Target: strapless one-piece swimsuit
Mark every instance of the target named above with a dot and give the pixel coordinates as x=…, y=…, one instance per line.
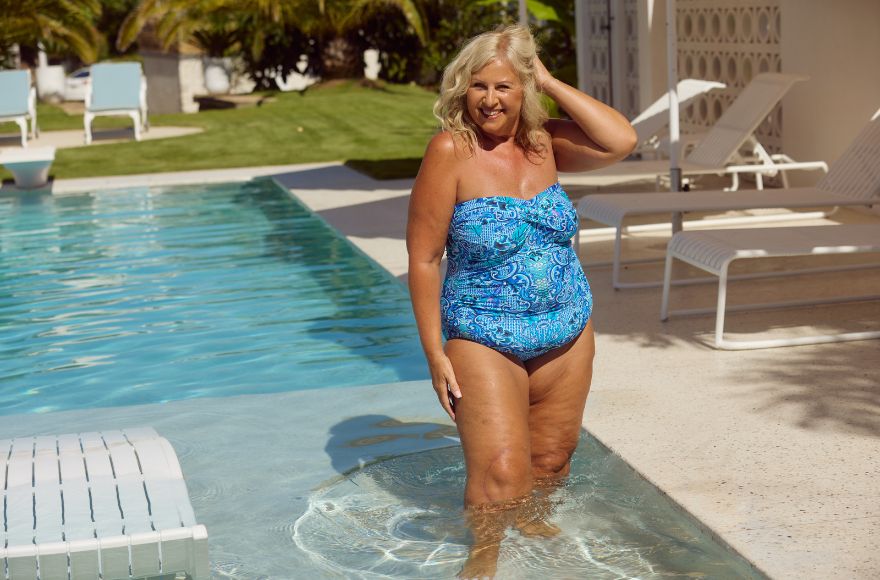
x=513, y=281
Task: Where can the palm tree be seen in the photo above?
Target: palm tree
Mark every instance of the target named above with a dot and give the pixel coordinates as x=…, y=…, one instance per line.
x=188, y=19
x=55, y=23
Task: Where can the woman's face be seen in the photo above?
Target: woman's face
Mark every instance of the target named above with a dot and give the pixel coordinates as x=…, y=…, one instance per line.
x=494, y=99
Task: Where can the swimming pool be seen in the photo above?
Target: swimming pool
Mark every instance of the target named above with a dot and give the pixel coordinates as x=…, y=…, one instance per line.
x=148, y=295
x=402, y=518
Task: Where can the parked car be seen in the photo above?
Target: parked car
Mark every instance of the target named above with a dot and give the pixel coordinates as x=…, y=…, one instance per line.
x=75, y=85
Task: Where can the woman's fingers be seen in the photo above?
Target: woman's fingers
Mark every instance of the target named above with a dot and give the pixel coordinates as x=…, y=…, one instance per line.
x=446, y=400
x=542, y=75
x=445, y=385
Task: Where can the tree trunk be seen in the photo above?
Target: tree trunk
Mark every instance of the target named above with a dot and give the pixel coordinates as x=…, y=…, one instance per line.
x=341, y=59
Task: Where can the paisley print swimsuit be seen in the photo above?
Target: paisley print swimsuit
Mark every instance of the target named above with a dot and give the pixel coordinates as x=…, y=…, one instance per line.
x=513, y=281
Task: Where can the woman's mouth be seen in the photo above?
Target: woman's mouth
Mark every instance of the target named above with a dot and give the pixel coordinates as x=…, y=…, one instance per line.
x=491, y=113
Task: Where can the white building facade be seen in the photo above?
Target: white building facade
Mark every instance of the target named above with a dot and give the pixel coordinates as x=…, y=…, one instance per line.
x=622, y=61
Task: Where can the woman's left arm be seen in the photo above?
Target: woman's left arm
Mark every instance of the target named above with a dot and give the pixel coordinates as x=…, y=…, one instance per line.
x=596, y=136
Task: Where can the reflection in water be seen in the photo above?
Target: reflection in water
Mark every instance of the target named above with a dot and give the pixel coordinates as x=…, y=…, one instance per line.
x=402, y=518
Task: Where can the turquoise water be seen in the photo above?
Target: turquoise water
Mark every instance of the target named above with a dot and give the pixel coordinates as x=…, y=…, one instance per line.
x=402, y=518
x=149, y=295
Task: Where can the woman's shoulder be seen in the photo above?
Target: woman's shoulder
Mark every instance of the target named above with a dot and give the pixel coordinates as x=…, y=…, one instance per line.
x=447, y=147
x=443, y=143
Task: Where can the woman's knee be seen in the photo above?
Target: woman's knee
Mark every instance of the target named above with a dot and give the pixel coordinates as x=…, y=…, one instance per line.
x=507, y=476
x=553, y=462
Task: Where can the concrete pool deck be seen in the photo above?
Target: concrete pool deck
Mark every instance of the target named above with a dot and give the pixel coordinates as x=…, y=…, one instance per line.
x=776, y=451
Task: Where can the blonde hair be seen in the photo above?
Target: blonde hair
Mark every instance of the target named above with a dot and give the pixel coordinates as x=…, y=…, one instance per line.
x=514, y=45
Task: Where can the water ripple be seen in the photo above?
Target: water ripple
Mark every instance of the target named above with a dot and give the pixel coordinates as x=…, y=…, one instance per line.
x=402, y=518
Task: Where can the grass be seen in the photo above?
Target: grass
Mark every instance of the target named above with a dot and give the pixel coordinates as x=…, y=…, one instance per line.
x=344, y=121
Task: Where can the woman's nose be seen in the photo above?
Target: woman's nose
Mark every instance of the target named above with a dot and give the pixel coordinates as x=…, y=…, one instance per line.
x=491, y=97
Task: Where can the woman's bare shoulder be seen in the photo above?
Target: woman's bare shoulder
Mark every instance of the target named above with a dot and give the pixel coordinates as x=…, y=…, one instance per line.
x=446, y=146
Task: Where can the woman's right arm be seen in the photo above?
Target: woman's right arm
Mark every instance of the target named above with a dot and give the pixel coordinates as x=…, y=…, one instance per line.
x=430, y=210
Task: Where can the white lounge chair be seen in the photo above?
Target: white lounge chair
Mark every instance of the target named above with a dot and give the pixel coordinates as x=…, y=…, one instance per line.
x=97, y=505
x=718, y=153
x=714, y=251
x=18, y=102
x=650, y=123
x=853, y=180
x=116, y=88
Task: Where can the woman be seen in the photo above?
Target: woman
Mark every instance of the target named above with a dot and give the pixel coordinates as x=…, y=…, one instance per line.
x=515, y=305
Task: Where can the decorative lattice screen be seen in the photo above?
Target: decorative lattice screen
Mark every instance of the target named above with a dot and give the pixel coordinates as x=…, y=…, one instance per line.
x=630, y=103
x=729, y=41
x=600, y=62
x=722, y=40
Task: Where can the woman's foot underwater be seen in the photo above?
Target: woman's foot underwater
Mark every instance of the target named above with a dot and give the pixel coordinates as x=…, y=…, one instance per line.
x=482, y=563
x=538, y=529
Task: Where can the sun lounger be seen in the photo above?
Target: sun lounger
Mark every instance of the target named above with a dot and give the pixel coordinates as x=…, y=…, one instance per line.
x=97, y=505
x=18, y=101
x=651, y=122
x=117, y=88
x=718, y=153
x=714, y=251
x=853, y=180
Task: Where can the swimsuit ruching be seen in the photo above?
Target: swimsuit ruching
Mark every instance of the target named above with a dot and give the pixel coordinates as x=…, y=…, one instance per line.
x=513, y=281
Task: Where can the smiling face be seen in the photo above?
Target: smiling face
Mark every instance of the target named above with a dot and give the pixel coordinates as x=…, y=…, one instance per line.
x=494, y=99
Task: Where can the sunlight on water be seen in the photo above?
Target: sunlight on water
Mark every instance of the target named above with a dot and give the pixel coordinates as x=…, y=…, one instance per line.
x=402, y=518
x=146, y=295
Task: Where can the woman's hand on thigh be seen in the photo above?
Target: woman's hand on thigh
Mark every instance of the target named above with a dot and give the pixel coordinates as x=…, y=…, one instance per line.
x=443, y=380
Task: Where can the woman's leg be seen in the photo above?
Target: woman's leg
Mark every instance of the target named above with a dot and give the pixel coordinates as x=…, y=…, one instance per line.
x=492, y=420
x=559, y=382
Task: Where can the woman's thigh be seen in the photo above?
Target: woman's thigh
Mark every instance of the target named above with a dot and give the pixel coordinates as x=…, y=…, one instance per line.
x=559, y=382
x=492, y=417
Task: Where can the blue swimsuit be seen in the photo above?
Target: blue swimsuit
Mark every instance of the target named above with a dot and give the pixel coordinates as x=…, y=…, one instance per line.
x=513, y=281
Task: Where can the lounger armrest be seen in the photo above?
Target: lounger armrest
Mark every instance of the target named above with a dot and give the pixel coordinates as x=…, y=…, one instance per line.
x=774, y=167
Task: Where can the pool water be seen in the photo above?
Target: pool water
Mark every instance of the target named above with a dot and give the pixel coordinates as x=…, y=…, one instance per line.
x=147, y=295
x=402, y=518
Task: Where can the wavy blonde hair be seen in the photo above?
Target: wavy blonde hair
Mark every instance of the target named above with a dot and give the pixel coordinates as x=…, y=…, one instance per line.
x=514, y=45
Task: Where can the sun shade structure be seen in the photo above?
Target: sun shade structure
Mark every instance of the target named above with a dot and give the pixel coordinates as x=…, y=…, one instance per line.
x=97, y=505
x=18, y=102
x=117, y=88
x=714, y=250
x=853, y=180
x=718, y=153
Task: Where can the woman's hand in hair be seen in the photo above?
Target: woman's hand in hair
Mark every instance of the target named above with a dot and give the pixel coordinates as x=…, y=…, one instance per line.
x=542, y=75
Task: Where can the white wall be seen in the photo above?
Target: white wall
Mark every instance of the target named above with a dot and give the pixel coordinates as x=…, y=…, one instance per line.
x=838, y=44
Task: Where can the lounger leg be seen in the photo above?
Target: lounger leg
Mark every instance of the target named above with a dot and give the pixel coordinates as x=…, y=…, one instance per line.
x=22, y=124
x=136, y=119
x=759, y=181
x=87, y=120
x=721, y=307
x=734, y=183
x=667, y=283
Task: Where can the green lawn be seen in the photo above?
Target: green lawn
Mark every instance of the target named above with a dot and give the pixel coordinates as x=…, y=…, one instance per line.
x=345, y=121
